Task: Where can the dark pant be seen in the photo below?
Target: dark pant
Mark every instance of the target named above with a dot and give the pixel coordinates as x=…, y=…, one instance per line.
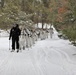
x=15, y=42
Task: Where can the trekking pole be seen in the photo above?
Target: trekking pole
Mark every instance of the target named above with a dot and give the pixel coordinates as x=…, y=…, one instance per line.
x=9, y=44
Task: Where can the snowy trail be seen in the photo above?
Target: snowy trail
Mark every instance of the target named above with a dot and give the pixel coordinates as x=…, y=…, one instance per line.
x=57, y=57
x=47, y=57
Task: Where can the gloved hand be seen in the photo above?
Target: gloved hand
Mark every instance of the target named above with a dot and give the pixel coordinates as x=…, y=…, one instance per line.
x=9, y=38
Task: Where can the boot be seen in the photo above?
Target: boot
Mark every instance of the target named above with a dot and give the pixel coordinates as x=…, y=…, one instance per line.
x=23, y=48
x=17, y=50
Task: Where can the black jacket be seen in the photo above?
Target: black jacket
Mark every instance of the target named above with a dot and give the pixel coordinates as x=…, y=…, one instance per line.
x=14, y=33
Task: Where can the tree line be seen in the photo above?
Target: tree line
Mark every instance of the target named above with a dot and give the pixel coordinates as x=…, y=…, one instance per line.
x=22, y=11
x=67, y=24
x=60, y=13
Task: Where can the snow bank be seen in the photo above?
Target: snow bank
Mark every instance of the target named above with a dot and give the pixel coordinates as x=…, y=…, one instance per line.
x=3, y=33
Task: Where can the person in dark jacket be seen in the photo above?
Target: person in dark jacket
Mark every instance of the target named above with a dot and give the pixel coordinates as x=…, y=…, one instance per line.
x=15, y=33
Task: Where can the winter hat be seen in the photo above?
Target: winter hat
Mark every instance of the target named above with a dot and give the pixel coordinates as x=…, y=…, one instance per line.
x=17, y=25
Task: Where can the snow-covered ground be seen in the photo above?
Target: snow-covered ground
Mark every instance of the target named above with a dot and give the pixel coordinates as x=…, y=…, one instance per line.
x=47, y=57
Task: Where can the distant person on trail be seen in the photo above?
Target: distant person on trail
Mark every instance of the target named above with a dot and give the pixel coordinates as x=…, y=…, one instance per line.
x=15, y=33
x=51, y=32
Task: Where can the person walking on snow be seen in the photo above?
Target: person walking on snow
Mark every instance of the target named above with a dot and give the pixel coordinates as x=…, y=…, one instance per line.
x=51, y=32
x=15, y=33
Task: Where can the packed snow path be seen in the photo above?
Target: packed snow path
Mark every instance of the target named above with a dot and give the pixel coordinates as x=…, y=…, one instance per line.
x=47, y=57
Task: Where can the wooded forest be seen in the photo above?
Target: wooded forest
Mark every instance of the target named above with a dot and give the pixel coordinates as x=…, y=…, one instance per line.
x=60, y=13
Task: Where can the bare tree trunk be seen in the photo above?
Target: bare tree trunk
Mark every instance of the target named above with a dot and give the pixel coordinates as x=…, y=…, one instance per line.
x=23, y=5
x=37, y=24
x=2, y=3
x=42, y=24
